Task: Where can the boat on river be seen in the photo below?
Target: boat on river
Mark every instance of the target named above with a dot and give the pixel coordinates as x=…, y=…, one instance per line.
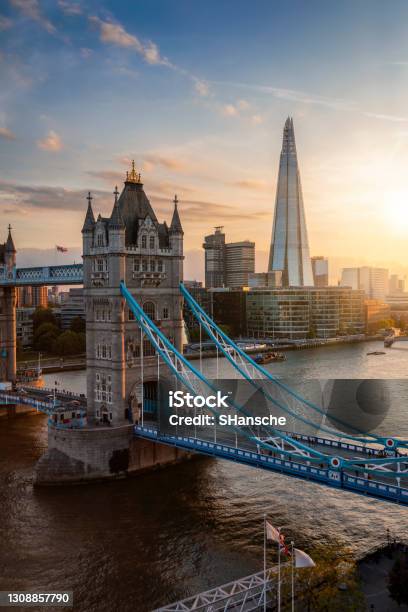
x=263, y=358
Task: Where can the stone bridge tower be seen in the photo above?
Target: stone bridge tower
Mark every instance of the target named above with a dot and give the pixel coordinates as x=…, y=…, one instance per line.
x=130, y=245
x=8, y=312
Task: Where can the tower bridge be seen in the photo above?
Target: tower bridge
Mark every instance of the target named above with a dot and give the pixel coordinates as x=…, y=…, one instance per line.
x=132, y=274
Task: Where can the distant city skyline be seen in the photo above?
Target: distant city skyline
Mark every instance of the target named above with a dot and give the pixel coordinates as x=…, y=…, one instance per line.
x=197, y=95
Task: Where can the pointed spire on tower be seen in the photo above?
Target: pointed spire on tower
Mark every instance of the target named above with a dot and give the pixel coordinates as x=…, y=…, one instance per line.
x=116, y=219
x=175, y=225
x=10, y=248
x=89, y=218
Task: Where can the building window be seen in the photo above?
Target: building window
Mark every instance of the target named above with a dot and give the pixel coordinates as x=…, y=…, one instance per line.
x=160, y=266
x=99, y=240
x=144, y=241
x=144, y=266
x=150, y=309
x=165, y=312
x=152, y=265
x=103, y=351
x=135, y=266
x=102, y=314
x=148, y=349
x=103, y=390
x=151, y=242
x=100, y=265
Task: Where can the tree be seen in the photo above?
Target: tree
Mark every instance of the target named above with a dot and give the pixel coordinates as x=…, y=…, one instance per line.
x=398, y=581
x=68, y=343
x=45, y=336
x=78, y=325
x=225, y=328
x=43, y=315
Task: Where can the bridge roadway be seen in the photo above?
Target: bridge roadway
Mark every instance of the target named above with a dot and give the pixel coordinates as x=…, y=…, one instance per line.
x=351, y=478
x=356, y=478
x=42, y=398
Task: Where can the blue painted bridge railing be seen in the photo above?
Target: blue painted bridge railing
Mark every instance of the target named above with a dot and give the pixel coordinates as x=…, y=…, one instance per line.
x=333, y=478
x=43, y=275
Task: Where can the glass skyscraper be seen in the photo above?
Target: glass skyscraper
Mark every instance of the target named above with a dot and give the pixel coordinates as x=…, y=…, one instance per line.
x=289, y=250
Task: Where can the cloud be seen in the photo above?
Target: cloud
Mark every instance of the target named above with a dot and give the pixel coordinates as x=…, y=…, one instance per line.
x=387, y=117
x=115, y=34
x=239, y=108
x=151, y=160
x=201, y=87
x=52, y=142
x=170, y=163
x=256, y=119
x=23, y=198
x=109, y=176
x=85, y=52
x=195, y=211
x=243, y=105
x=5, y=23
x=7, y=134
x=31, y=10
x=70, y=8
x=252, y=184
x=229, y=110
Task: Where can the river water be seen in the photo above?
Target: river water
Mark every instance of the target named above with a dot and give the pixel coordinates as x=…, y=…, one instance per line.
x=153, y=539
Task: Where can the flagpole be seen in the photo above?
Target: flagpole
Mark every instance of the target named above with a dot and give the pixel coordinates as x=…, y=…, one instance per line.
x=293, y=578
x=264, y=560
x=279, y=572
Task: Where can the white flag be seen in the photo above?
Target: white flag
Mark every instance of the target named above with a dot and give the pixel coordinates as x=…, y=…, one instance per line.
x=302, y=559
x=272, y=533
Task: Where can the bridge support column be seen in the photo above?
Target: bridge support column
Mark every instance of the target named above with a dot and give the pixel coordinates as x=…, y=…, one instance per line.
x=8, y=338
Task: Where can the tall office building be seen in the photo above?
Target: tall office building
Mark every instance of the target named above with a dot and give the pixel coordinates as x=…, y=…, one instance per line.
x=289, y=249
x=239, y=263
x=227, y=264
x=320, y=268
x=32, y=296
x=214, y=247
x=374, y=281
x=396, y=285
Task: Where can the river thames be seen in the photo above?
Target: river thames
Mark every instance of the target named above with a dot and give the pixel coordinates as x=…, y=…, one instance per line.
x=139, y=543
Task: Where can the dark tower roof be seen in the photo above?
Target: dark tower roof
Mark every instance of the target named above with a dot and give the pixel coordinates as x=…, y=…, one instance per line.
x=175, y=225
x=116, y=219
x=10, y=248
x=134, y=205
x=89, y=218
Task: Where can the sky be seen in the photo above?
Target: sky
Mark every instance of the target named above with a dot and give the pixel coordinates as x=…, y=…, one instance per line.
x=198, y=93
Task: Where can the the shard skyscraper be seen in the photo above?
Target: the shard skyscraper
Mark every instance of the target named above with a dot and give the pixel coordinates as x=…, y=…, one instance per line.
x=289, y=250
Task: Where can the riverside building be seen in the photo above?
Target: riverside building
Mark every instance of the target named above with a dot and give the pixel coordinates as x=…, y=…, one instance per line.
x=305, y=312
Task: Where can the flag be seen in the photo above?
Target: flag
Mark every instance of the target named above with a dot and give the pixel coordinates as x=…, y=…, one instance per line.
x=302, y=559
x=61, y=249
x=276, y=536
x=272, y=533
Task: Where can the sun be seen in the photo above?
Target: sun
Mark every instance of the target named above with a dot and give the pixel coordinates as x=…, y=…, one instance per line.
x=396, y=210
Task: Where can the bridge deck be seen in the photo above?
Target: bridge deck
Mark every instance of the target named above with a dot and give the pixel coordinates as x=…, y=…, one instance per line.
x=381, y=488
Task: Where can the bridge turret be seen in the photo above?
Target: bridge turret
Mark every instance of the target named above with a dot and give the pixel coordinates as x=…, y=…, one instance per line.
x=9, y=252
x=116, y=227
x=88, y=227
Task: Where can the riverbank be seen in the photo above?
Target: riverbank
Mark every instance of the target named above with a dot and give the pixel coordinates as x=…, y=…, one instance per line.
x=374, y=572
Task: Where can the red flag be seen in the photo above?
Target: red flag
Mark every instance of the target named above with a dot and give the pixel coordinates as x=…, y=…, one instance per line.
x=61, y=249
x=283, y=548
x=275, y=534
